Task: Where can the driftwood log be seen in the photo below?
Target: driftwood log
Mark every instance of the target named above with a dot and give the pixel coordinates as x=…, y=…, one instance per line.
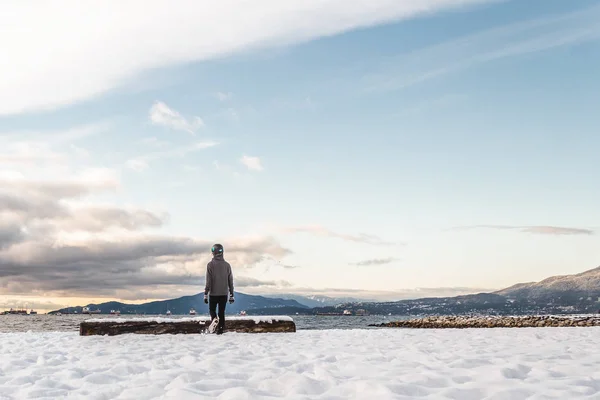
x=157, y=326
x=526, y=321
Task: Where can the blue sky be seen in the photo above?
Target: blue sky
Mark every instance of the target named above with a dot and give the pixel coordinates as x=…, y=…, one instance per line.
x=386, y=149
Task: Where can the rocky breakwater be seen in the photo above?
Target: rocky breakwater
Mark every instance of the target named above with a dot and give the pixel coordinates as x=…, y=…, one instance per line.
x=461, y=322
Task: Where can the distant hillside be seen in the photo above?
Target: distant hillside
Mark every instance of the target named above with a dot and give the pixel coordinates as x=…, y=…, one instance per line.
x=318, y=300
x=583, y=284
x=182, y=305
x=566, y=294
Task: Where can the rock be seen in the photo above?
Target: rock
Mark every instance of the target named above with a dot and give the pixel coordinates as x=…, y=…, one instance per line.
x=158, y=326
x=495, y=322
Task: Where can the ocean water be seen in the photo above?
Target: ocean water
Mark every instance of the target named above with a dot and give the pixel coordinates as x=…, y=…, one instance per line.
x=70, y=323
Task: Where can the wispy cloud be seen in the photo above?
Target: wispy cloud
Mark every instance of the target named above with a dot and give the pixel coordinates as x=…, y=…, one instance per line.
x=375, y=261
x=154, y=142
x=142, y=162
x=193, y=31
x=513, y=40
x=536, y=229
x=46, y=153
x=229, y=114
x=137, y=164
x=322, y=231
x=191, y=168
x=252, y=163
x=80, y=151
x=294, y=104
x=26, y=153
x=225, y=168
x=223, y=96
x=57, y=137
x=161, y=114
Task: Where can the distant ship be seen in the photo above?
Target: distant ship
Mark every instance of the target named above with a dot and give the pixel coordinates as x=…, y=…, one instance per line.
x=242, y=312
x=192, y=311
x=86, y=310
x=16, y=312
x=115, y=312
x=32, y=312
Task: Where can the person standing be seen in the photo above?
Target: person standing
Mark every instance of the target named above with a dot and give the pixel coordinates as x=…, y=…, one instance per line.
x=219, y=283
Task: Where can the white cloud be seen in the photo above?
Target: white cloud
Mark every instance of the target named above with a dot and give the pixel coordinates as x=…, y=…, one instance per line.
x=81, y=50
x=45, y=152
x=80, y=151
x=27, y=153
x=161, y=114
x=57, y=239
x=154, y=142
x=224, y=96
x=137, y=164
x=252, y=163
x=56, y=137
x=191, y=168
x=46, y=155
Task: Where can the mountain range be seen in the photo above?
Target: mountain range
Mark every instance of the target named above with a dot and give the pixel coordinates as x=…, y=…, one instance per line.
x=182, y=305
x=578, y=293
x=318, y=300
x=564, y=294
x=583, y=284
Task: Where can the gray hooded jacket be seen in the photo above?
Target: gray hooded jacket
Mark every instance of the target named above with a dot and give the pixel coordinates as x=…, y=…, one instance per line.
x=219, y=277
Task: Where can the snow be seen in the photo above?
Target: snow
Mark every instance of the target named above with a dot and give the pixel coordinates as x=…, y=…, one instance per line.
x=256, y=319
x=493, y=364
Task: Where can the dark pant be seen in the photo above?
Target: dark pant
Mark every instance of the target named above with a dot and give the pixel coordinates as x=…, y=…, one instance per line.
x=212, y=306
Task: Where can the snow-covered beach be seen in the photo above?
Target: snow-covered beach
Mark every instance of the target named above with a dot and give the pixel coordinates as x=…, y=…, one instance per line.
x=524, y=363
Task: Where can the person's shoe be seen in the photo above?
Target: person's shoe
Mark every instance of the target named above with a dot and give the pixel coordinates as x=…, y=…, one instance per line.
x=220, y=331
x=213, y=326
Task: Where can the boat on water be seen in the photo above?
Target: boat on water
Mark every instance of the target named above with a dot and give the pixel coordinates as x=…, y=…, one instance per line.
x=347, y=312
x=192, y=311
x=115, y=312
x=19, y=311
x=168, y=312
x=242, y=312
x=32, y=312
x=87, y=310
